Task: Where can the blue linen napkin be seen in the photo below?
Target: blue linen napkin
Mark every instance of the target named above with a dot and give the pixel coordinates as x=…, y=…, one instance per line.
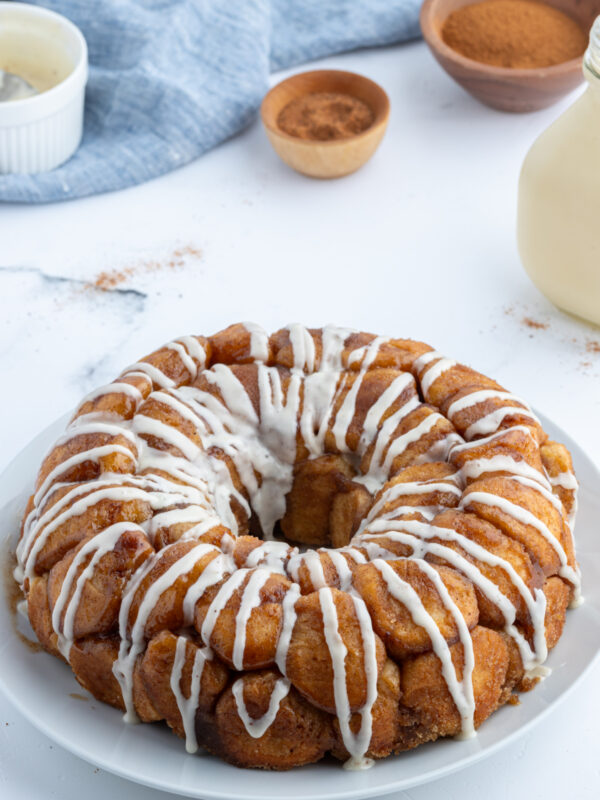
x=169, y=79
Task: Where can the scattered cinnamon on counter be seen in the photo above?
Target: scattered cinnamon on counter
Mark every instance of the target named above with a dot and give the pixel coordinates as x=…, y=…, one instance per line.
x=109, y=279
x=586, y=349
x=324, y=116
x=522, y=34
x=532, y=323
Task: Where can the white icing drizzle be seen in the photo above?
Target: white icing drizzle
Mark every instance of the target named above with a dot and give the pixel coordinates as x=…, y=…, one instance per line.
x=40, y=523
x=132, y=373
x=211, y=574
x=235, y=428
x=413, y=487
x=187, y=361
x=195, y=349
x=188, y=706
x=376, y=475
x=303, y=347
x=565, y=479
x=250, y=600
x=321, y=389
x=259, y=341
x=426, y=358
x=219, y=602
x=156, y=375
x=381, y=406
x=568, y=481
x=93, y=454
x=400, y=443
x=399, y=512
x=464, y=635
x=34, y=540
x=271, y=554
x=356, y=744
x=346, y=412
x=98, y=546
x=492, y=421
x=289, y=617
x=418, y=534
x=204, y=519
x=133, y=642
x=479, y=396
x=312, y=561
x=461, y=691
x=353, y=553
x=473, y=469
x=258, y=727
x=342, y=568
x=94, y=424
x=435, y=371
x=150, y=426
x=118, y=387
x=525, y=517
x=176, y=403
x=462, y=446
x=540, y=489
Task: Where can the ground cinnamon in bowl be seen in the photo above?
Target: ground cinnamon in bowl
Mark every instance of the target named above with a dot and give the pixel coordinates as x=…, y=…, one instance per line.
x=325, y=116
x=519, y=34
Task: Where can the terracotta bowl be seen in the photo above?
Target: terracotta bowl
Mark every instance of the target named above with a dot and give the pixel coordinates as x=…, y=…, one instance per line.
x=501, y=87
x=330, y=159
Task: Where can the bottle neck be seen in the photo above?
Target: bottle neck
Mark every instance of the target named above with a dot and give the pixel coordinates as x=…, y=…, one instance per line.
x=591, y=57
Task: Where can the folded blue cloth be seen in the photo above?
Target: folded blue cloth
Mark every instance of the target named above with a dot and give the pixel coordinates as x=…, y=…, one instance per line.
x=169, y=79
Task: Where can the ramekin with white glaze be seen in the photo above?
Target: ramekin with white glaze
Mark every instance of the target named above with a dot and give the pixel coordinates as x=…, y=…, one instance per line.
x=39, y=133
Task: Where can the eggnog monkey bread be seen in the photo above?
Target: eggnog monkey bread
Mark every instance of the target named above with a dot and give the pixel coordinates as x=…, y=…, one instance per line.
x=316, y=542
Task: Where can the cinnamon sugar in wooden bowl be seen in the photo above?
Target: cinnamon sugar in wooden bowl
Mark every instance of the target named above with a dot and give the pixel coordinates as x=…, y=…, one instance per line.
x=338, y=135
x=506, y=88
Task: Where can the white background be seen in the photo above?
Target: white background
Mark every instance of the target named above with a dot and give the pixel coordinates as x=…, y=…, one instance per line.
x=419, y=243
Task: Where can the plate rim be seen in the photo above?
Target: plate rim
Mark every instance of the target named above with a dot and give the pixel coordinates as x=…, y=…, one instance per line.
x=72, y=746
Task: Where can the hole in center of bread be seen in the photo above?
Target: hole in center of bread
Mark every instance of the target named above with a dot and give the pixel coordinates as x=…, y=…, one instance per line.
x=325, y=505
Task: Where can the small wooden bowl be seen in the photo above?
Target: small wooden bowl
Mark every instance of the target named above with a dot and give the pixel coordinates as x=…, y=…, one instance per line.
x=338, y=157
x=502, y=87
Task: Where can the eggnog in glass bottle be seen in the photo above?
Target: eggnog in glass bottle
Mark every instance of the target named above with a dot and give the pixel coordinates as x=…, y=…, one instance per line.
x=558, y=221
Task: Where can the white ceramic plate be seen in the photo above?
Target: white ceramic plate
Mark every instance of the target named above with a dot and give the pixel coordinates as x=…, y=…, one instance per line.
x=42, y=688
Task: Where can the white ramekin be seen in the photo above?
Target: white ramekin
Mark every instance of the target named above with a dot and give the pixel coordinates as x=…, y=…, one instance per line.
x=39, y=133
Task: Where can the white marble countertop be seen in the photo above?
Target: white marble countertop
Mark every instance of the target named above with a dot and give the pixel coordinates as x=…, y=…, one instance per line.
x=419, y=243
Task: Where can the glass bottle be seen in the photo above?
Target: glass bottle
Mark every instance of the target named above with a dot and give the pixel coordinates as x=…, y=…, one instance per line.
x=558, y=220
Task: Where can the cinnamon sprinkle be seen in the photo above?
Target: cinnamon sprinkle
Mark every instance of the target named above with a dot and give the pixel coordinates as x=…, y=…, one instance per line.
x=592, y=346
x=533, y=323
x=589, y=346
x=110, y=279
